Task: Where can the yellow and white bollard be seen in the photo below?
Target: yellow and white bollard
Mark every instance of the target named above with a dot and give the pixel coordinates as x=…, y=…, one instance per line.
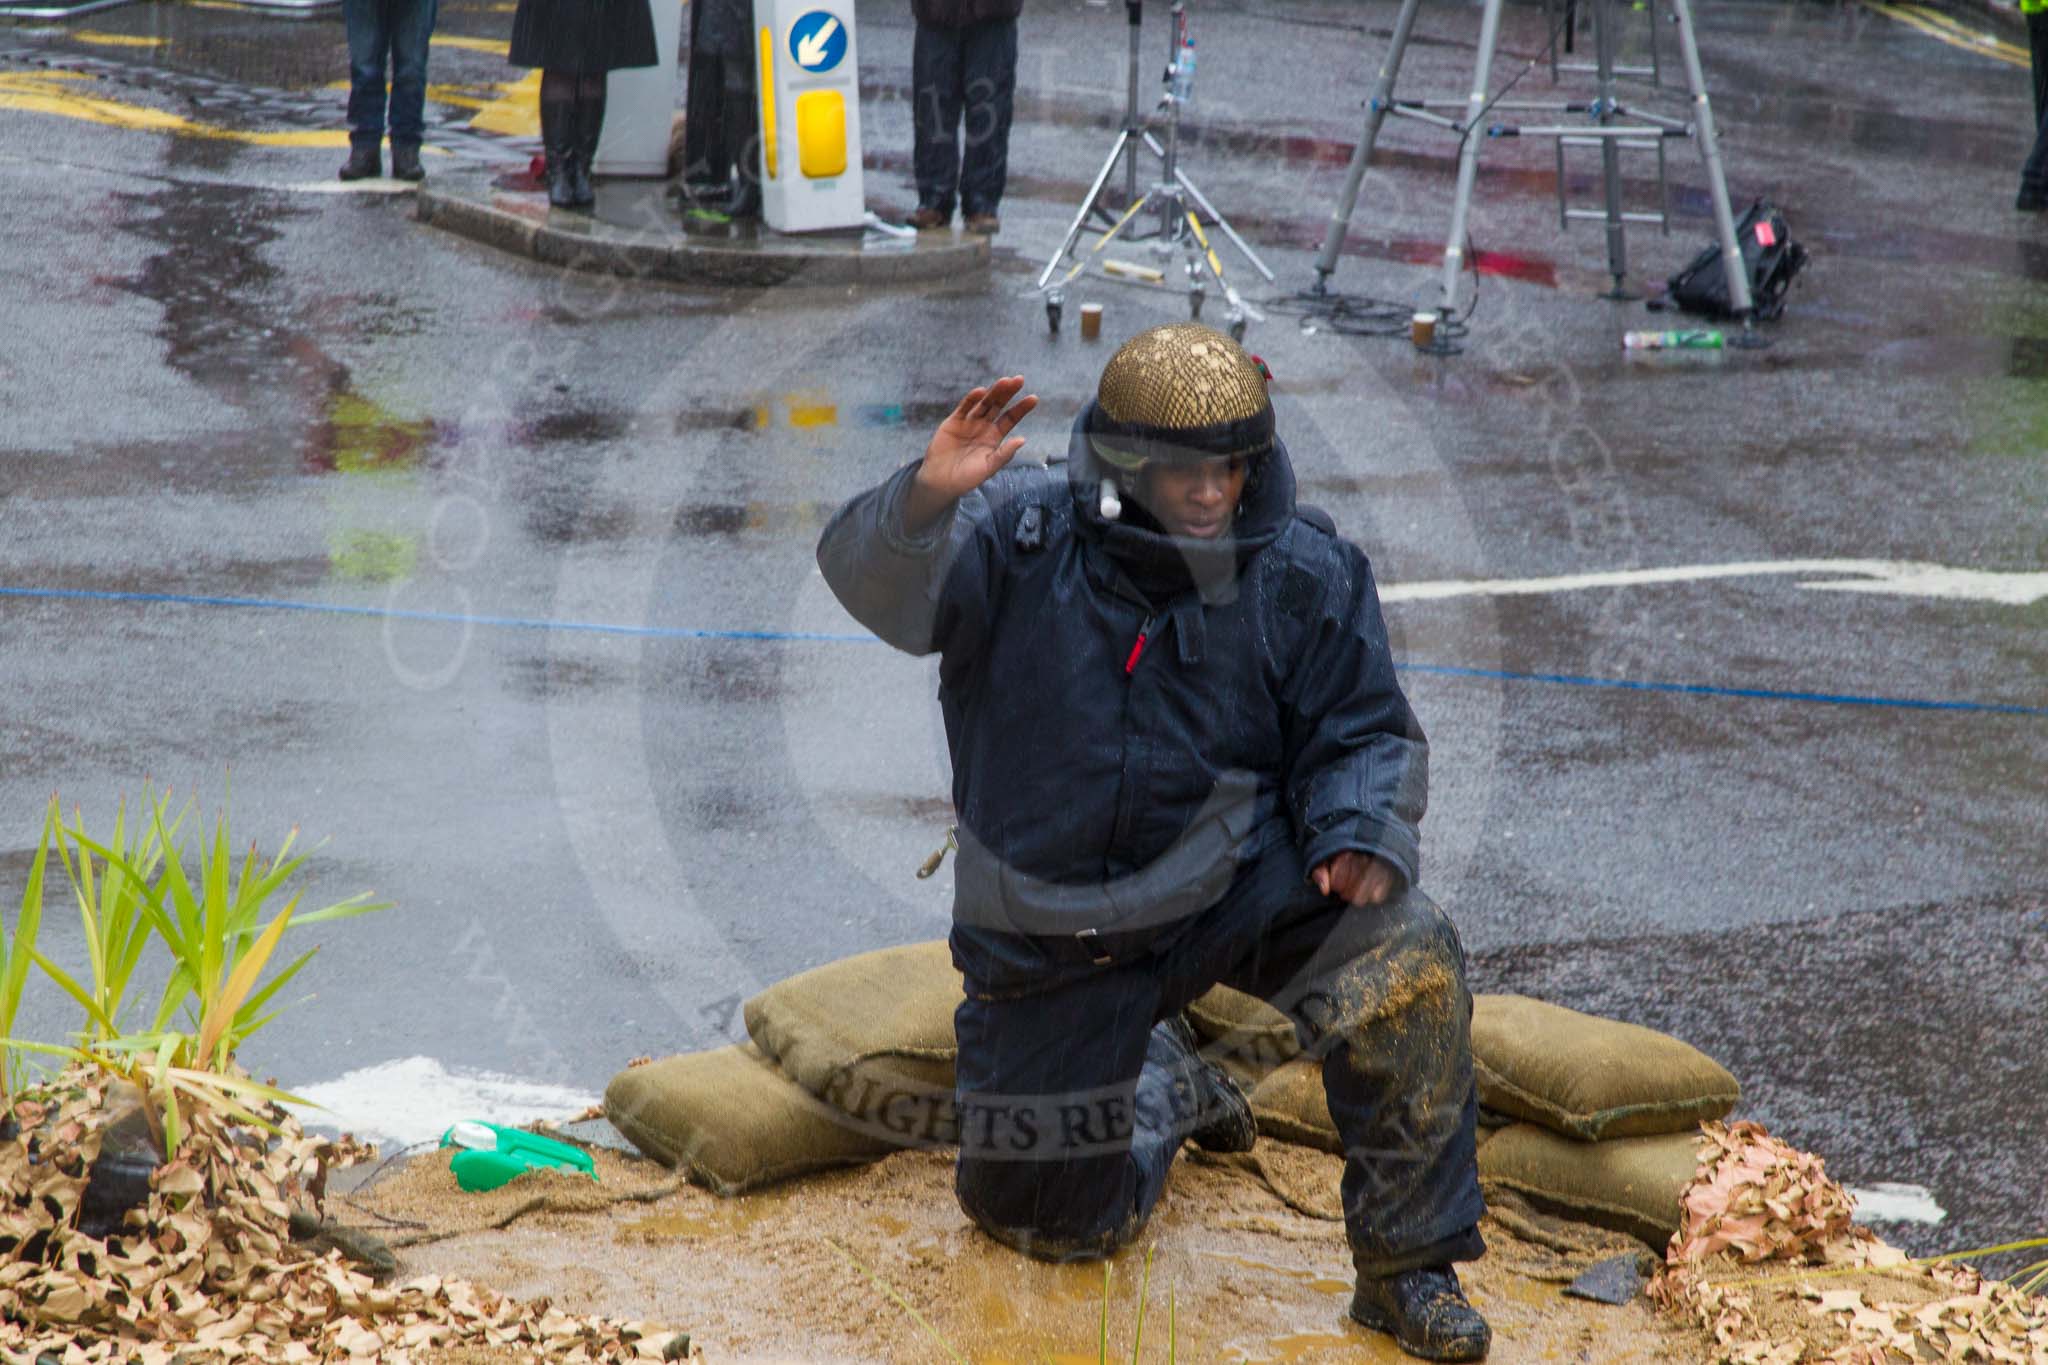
x=809, y=75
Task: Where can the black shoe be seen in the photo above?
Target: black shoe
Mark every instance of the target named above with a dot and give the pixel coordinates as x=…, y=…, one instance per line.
x=1224, y=1121
x=2030, y=201
x=364, y=163
x=1425, y=1312
x=405, y=162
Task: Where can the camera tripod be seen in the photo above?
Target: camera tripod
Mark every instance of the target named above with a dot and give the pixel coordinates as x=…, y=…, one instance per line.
x=1175, y=203
x=1636, y=130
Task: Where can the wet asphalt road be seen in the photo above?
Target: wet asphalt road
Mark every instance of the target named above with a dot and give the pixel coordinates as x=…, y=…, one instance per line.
x=418, y=483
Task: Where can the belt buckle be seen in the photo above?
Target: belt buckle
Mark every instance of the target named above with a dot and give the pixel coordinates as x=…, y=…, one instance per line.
x=1102, y=959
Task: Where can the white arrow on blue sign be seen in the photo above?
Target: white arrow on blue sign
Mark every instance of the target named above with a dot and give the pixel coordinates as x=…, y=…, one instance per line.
x=817, y=41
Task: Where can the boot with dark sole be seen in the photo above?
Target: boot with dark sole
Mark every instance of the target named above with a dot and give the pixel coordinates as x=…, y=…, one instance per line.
x=1224, y=1121
x=558, y=139
x=405, y=162
x=589, y=128
x=1425, y=1312
x=364, y=162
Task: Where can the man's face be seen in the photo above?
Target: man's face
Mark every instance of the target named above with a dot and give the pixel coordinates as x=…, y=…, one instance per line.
x=1196, y=500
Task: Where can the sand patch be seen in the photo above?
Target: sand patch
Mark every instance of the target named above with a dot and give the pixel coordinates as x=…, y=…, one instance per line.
x=813, y=1271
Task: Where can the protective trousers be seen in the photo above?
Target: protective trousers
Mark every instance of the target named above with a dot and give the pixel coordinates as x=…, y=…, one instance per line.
x=1067, y=1129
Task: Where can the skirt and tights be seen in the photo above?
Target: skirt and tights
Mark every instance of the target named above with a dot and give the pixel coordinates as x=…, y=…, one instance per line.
x=576, y=43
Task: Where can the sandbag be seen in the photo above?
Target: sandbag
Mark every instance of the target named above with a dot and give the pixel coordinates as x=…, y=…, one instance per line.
x=872, y=1036
x=1290, y=1106
x=1243, y=1034
x=1592, y=1078
x=1632, y=1185
x=731, y=1121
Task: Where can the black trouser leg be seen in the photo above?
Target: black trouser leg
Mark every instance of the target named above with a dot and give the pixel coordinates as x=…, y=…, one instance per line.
x=707, y=160
x=1061, y=1157
x=989, y=66
x=2034, y=177
x=590, y=97
x=558, y=134
x=1379, y=995
x=743, y=136
x=937, y=91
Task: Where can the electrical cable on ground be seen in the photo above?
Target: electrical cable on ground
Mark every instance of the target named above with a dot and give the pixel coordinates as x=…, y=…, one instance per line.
x=1356, y=314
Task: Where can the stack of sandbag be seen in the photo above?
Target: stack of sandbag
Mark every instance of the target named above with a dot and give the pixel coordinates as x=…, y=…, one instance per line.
x=846, y=1063
x=1588, y=1117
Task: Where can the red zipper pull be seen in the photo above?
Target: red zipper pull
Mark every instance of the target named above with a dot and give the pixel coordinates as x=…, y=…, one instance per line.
x=1138, y=646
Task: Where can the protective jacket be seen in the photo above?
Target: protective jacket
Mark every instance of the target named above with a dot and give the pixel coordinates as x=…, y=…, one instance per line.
x=1132, y=716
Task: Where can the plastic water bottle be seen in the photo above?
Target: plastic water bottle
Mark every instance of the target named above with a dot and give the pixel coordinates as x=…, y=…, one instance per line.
x=1699, y=339
x=1184, y=72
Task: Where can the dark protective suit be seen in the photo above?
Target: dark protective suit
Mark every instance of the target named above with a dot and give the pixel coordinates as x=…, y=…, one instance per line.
x=1153, y=741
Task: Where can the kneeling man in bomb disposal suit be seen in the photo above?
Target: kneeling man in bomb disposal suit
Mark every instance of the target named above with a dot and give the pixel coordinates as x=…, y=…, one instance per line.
x=1180, y=757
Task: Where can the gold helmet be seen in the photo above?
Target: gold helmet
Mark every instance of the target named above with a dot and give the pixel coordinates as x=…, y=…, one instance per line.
x=1181, y=393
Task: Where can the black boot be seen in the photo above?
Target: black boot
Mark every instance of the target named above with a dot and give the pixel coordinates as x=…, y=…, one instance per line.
x=1425, y=1312
x=364, y=162
x=558, y=138
x=589, y=128
x=405, y=162
x=1215, y=1115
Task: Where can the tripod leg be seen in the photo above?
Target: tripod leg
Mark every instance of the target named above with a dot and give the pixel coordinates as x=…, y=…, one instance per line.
x=1710, y=149
x=1468, y=157
x=1223, y=224
x=1610, y=150
x=1087, y=206
x=1361, y=155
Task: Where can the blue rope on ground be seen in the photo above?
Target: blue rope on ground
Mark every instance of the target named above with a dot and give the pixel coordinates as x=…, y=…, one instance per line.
x=828, y=637
x=1709, y=690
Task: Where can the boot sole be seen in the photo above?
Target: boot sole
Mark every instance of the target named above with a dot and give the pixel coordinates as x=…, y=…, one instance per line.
x=1463, y=1349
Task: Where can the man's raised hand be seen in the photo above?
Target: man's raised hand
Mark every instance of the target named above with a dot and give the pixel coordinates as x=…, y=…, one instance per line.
x=968, y=448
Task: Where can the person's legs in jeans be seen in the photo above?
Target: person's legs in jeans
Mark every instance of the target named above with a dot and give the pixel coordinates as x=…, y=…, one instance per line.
x=411, y=30
x=990, y=86
x=368, y=24
x=2034, y=177
x=936, y=86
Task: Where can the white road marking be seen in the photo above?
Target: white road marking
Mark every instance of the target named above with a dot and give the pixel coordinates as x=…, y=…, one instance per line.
x=1890, y=1202
x=1892, y=577
x=416, y=1099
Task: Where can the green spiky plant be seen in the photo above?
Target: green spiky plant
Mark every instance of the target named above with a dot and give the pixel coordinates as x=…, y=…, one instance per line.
x=135, y=889
x=20, y=947
x=110, y=891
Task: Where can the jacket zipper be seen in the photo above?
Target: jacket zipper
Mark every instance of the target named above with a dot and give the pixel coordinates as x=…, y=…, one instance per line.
x=1138, y=645
x=1126, y=802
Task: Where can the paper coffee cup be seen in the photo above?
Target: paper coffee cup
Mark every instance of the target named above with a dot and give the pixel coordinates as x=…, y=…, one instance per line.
x=1422, y=330
x=1091, y=320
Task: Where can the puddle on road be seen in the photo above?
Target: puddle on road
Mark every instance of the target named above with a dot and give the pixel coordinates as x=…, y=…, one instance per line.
x=1967, y=356
x=734, y=518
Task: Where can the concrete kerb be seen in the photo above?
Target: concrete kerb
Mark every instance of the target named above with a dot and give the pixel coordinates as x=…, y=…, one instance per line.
x=470, y=207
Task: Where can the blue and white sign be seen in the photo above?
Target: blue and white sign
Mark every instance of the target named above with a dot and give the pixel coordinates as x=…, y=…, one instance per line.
x=817, y=41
